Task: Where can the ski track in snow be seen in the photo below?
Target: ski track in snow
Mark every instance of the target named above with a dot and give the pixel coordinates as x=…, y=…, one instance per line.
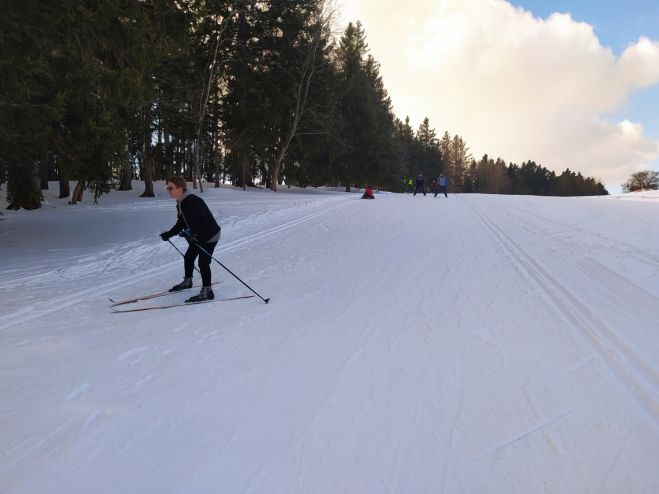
x=134, y=252
x=637, y=376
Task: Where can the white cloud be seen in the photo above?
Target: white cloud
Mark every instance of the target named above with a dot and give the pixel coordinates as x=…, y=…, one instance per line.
x=514, y=85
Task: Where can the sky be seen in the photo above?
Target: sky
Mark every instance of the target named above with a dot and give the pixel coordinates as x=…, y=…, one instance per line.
x=566, y=84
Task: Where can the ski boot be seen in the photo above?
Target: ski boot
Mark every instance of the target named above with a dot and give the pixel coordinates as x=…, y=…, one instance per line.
x=186, y=283
x=206, y=293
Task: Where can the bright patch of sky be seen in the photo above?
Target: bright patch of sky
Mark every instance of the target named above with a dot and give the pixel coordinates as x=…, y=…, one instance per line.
x=568, y=86
x=617, y=25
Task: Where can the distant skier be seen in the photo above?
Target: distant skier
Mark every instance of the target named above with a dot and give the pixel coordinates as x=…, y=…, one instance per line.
x=410, y=184
x=434, y=187
x=368, y=193
x=196, y=224
x=419, y=184
x=442, y=182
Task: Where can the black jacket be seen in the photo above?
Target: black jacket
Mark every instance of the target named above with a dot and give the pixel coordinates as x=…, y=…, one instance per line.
x=193, y=213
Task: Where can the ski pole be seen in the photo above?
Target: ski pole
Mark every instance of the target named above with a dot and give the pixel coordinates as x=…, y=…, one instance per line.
x=266, y=300
x=172, y=244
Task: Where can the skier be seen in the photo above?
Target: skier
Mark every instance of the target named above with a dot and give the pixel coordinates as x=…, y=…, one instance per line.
x=196, y=224
x=443, y=185
x=368, y=193
x=434, y=187
x=410, y=184
x=419, y=184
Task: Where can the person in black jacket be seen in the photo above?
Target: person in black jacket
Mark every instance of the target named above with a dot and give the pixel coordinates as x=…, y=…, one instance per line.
x=419, y=185
x=196, y=224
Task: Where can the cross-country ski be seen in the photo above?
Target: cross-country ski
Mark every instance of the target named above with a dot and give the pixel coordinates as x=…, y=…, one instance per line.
x=149, y=296
x=117, y=309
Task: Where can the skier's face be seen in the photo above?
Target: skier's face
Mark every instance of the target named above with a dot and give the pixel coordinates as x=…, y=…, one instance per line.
x=174, y=191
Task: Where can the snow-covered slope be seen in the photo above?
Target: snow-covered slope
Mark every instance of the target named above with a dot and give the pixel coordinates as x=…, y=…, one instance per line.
x=412, y=344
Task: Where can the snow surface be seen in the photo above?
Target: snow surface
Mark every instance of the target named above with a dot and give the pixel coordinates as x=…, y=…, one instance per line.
x=475, y=344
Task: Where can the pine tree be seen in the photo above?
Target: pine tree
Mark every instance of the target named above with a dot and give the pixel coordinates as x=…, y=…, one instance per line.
x=460, y=159
x=28, y=101
x=164, y=35
x=405, y=150
x=293, y=57
x=429, y=159
x=241, y=104
x=366, y=128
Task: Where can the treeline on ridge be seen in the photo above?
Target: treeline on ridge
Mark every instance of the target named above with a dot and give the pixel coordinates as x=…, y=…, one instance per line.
x=242, y=92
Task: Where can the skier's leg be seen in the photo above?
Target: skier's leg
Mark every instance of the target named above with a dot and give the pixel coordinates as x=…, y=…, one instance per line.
x=188, y=259
x=205, y=263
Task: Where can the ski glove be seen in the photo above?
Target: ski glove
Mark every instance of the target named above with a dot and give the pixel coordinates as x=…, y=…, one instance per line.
x=165, y=236
x=187, y=234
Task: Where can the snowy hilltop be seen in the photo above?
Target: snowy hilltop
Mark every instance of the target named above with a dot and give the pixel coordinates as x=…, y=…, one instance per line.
x=469, y=344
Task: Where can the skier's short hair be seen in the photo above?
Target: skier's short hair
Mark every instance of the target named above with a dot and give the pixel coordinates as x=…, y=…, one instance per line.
x=179, y=181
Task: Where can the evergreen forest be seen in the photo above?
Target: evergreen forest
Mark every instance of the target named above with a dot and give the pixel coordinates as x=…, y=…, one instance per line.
x=268, y=93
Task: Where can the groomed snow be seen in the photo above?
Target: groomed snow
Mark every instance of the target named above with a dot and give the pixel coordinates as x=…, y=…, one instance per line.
x=475, y=344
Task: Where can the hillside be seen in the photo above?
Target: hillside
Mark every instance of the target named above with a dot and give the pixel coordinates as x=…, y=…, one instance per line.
x=412, y=344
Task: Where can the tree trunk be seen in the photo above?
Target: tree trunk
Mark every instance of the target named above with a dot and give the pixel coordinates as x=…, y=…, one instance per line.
x=126, y=173
x=300, y=105
x=168, y=155
x=217, y=159
x=244, y=161
x=209, y=84
x=197, y=167
x=78, y=192
x=126, y=177
x=43, y=172
x=23, y=189
x=64, y=186
x=147, y=168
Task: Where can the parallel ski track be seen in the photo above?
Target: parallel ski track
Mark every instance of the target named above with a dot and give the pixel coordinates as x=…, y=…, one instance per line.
x=635, y=376
x=597, y=244
x=558, y=230
x=57, y=304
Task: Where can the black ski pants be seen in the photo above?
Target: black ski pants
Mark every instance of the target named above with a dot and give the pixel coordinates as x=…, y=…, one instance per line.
x=442, y=188
x=204, y=260
x=419, y=188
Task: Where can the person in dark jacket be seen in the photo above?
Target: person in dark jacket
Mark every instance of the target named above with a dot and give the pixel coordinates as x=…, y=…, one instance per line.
x=419, y=184
x=196, y=224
